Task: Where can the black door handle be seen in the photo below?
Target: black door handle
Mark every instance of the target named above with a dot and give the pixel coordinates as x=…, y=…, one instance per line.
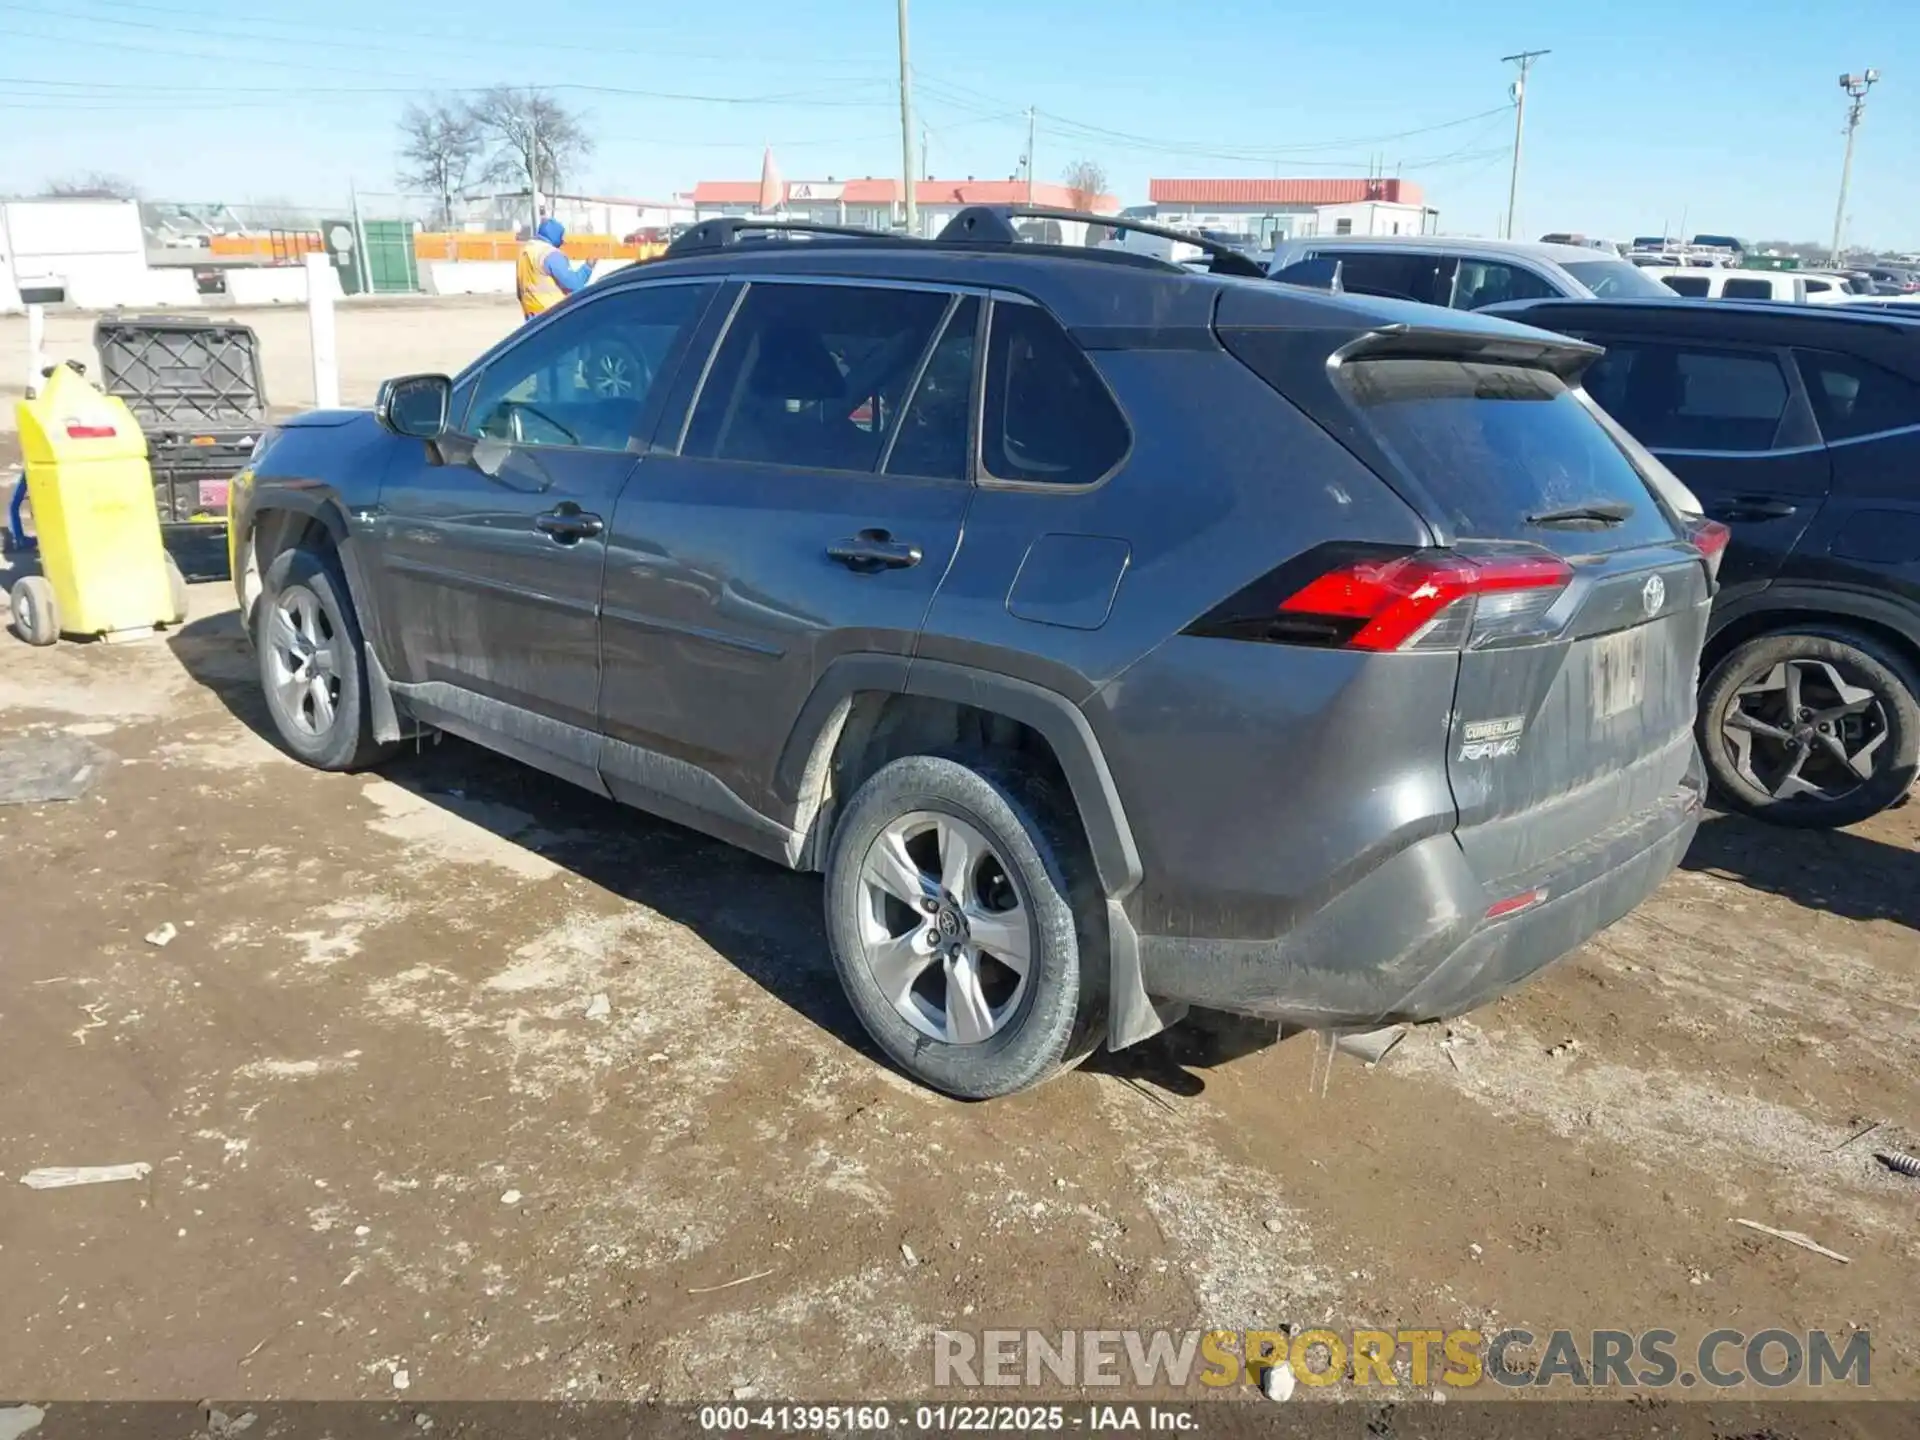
x=569, y=524
x=873, y=550
x=1753, y=507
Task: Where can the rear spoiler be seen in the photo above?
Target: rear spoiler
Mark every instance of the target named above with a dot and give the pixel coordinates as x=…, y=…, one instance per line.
x=1560, y=354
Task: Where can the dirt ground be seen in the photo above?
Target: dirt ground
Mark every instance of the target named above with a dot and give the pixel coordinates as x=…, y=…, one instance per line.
x=391, y=1146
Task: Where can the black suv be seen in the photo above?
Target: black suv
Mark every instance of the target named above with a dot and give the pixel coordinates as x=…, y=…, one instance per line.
x=1115, y=638
x=1799, y=427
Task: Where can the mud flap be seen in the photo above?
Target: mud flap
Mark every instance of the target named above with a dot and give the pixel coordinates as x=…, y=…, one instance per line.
x=1132, y=1014
x=385, y=719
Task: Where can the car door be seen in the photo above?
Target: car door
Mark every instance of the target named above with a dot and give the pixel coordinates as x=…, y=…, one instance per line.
x=489, y=544
x=813, y=502
x=1734, y=424
x=1869, y=533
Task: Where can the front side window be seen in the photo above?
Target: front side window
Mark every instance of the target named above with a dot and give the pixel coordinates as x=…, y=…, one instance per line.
x=1694, y=287
x=1613, y=279
x=813, y=376
x=583, y=378
x=1673, y=397
x=1047, y=416
x=1479, y=283
x=1853, y=397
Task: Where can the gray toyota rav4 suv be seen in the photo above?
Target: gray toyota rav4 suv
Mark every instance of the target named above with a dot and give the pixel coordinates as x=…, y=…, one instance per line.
x=1115, y=638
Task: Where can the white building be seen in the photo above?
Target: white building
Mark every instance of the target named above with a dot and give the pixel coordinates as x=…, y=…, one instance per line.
x=95, y=251
x=1266, y=211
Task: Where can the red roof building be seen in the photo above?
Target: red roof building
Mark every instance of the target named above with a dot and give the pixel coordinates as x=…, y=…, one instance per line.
x=718, y=195
x=1283, y=194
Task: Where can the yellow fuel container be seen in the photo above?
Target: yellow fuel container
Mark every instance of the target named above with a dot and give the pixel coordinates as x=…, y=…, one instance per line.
x=93, y=511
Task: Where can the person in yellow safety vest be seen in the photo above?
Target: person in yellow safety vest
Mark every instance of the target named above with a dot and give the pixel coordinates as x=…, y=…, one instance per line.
x=544, y=276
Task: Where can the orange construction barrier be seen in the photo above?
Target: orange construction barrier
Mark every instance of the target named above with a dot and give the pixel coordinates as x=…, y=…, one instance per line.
x=502, y=245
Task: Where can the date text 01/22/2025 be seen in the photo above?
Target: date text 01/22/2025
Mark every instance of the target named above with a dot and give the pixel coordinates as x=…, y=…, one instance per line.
x=740, y=1419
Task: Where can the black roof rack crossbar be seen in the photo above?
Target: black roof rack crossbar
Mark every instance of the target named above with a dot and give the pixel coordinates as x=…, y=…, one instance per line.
x=993, y=225
x=729, y=230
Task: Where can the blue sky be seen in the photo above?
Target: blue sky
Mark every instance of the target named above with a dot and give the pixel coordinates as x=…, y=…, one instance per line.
x=1649, y=114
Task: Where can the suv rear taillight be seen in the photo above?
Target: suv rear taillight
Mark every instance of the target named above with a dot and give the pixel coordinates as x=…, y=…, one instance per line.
x=1399, y=600
x=1710, y=538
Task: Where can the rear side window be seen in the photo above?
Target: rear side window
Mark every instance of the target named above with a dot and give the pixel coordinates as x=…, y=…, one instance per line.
x=1853, y=397
x=813, y=376
x=1405, y=277
x=1672, y=397
x=1498, y=446
x=1693, y=286
x=1737, y=289
x=1048, y=418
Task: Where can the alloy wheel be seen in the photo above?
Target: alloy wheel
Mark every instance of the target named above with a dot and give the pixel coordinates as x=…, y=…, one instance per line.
x=1803, y=728
x=612, y=373
x=305, y=655
x=944, y=928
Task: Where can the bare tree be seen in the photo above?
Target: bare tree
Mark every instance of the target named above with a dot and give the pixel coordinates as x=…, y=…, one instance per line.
x=440, y=145
x=536, y=140
x=1086, y=184
x=94, y=185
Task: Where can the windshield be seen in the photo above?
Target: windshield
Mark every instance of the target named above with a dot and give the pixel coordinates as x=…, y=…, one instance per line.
x=1612, y=279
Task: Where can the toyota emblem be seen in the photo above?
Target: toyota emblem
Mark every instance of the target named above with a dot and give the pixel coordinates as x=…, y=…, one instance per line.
x=1653, y=595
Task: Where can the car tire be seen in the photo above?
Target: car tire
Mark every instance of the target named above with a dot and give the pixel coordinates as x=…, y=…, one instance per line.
x=319, y=709
x=971, y=1024
x=36, y=613
x=1751, y=759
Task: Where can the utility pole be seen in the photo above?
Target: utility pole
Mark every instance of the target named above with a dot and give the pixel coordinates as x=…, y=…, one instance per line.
x=1856, y=87
x=1030, y=155
x=1525, y=61
x=906, y=128
x=924, y=170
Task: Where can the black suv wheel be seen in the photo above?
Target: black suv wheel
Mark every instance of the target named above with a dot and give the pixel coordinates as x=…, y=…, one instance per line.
x=965, y=925
x=312, y=665
x=1812, y=728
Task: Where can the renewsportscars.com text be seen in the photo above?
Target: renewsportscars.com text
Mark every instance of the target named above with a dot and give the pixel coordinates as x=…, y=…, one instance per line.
x=1646, y=1359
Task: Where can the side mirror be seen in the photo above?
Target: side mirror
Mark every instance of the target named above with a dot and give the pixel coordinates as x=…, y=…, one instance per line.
x=415, y=406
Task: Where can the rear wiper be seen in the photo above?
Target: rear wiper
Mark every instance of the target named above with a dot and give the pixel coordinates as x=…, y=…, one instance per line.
x=1596, y=512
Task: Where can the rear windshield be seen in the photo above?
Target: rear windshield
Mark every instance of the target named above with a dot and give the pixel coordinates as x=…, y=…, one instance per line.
x=1500, y=446
x=1612, y=279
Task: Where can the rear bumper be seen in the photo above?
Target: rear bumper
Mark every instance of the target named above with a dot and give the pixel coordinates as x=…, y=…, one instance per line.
x=1410, y=940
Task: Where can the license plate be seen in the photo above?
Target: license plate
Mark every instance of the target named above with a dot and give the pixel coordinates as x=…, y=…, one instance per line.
x=213, y=495
x=1619, y=672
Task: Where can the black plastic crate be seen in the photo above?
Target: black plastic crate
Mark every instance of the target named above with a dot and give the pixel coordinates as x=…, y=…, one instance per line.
x=196, y=389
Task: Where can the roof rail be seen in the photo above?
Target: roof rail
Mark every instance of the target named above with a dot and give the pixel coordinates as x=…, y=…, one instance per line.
x=731, y=230
x=993, y=225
